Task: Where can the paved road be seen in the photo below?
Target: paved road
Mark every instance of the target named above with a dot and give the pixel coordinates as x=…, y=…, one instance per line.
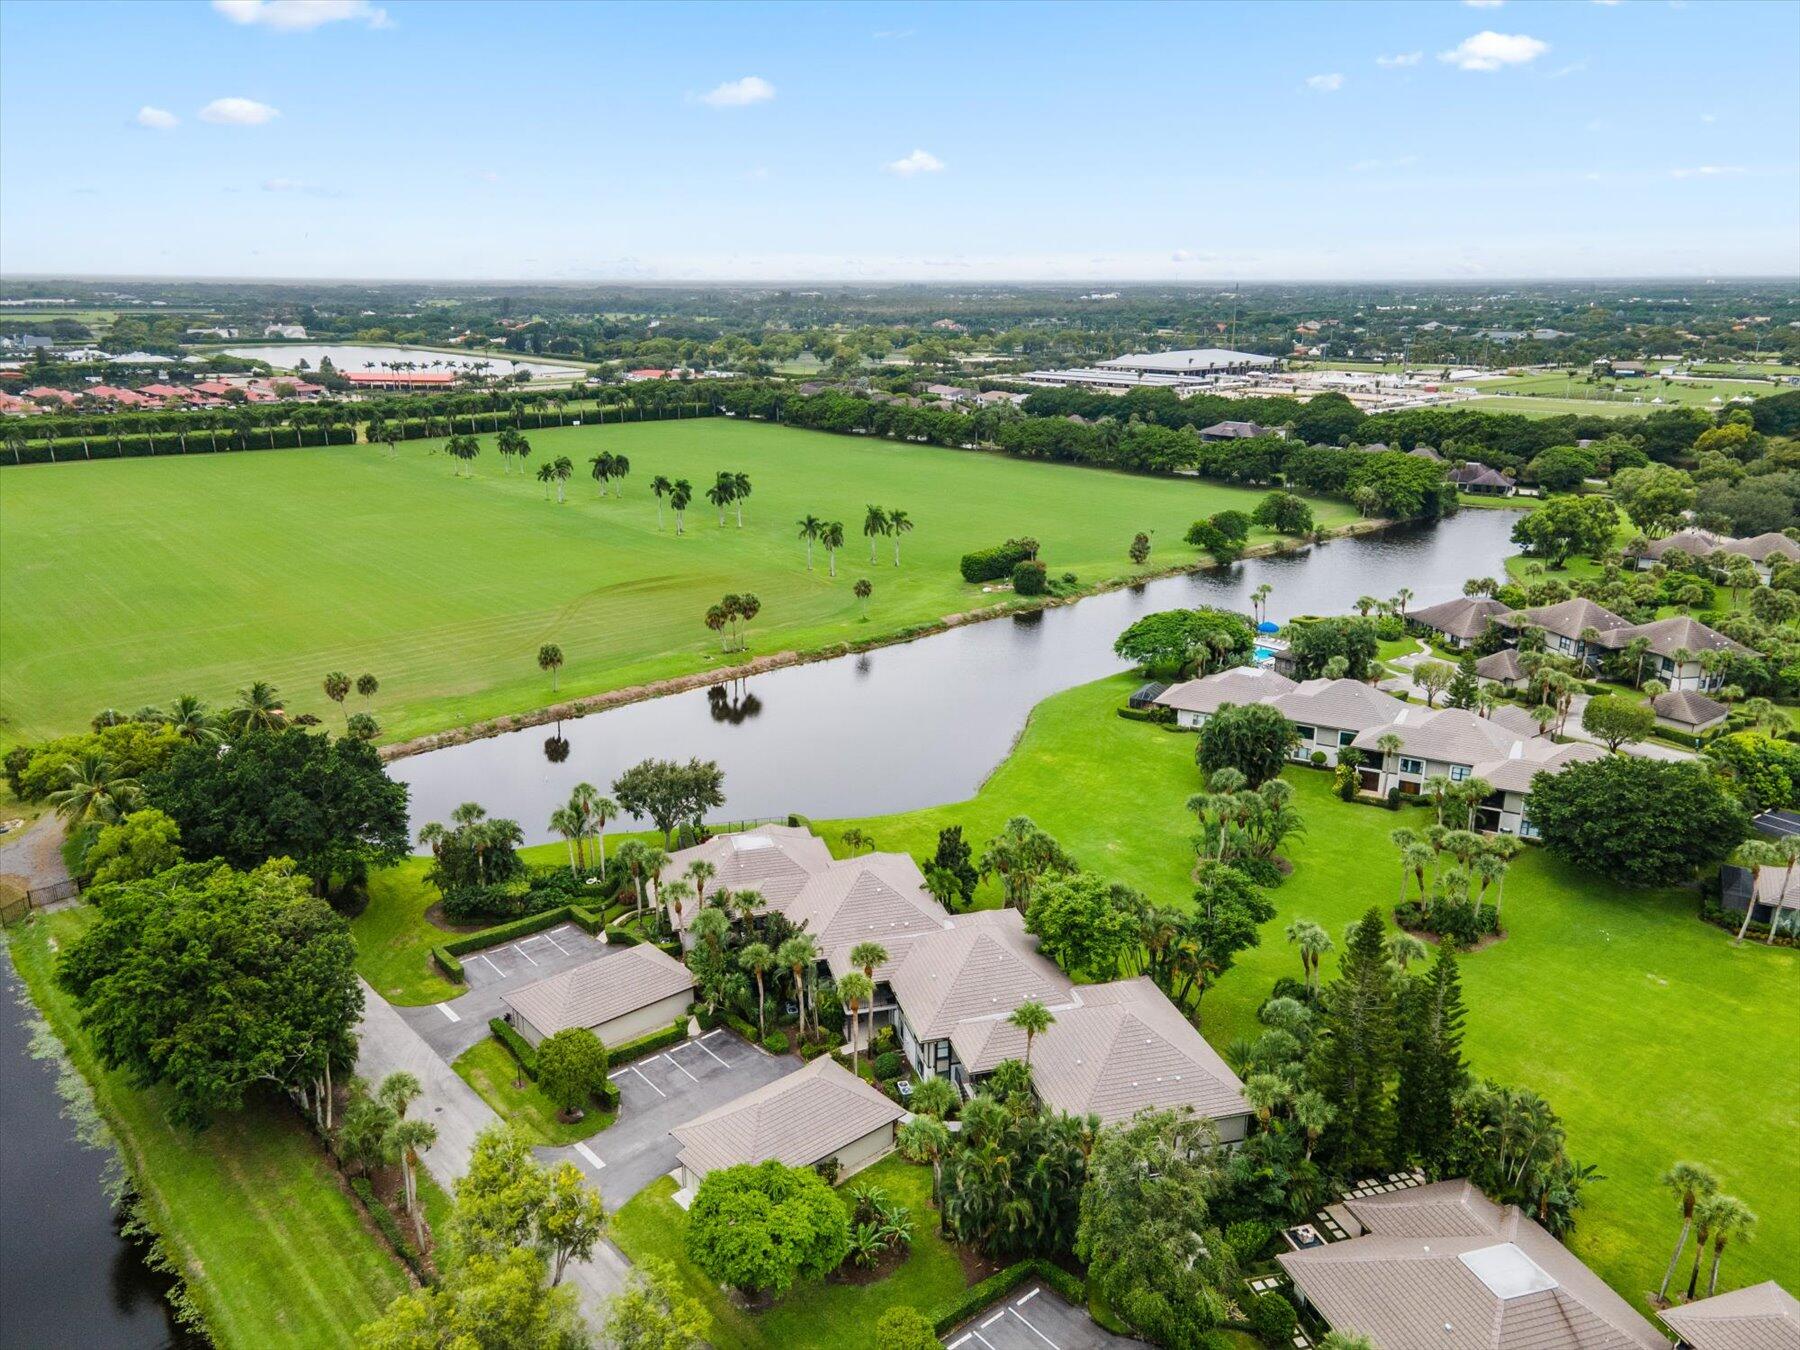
x=1643, y=750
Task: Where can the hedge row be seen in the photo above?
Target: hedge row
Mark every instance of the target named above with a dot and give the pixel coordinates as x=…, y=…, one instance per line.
x=992, y=564
x=446, y=955
x=673, y=1034
x=517, y=1045
x=972, y=1300
x=198, y=443
x=390, y=1228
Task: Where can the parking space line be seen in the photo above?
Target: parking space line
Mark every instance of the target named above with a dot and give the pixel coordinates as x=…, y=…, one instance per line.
x=590, y=1155
x=522, y=952
x=449, y=1012
x=482, y=956
x=560, y=949
x=1022, y=1302
x=1040, y=1335
x=995, y=1318
x=708, y=1051
x=678, y=1064
x=640, y=1073
x=959, y=1340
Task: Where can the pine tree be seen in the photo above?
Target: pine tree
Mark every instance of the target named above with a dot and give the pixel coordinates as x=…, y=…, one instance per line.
x=1465, y=684
x=1355, y=1051
x=1432, y=1071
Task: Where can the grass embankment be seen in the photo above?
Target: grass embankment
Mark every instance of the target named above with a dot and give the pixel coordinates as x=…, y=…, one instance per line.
x=274, y=1250
x=394, y=938
x=1651, y=1034
x=221, y=569
x=820, y=1313
x=487, y=1067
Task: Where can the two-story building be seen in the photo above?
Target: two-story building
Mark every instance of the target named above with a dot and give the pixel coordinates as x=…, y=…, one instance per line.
x=1327, y=714
x=1460, y=622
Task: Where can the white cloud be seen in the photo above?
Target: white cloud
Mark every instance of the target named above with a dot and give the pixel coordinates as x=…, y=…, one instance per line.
x=298, y=16
x=1708, y=171
x=740, y=93
x=1325, y=84
x=1399, y=59
x=1709, y=118
x=1489, y=50
x=887, y=34
x=1573, y=68
x=919, y=161
x=157, y=119
x=238, y=112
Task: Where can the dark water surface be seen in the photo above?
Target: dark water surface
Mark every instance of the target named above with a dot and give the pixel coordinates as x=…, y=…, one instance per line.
x=67, y=1275
x=925, y=722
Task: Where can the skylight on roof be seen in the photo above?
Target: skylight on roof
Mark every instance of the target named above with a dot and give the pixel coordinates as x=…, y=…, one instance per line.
x=1508, y=1272
x=750, y=843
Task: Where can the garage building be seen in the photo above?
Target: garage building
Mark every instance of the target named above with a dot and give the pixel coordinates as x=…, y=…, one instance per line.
x=619, y=997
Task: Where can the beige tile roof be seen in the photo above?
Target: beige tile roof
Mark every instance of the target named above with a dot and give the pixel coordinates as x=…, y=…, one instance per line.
x=983, y=964
x=1443, y=1268
x=1762, y=1317
x=1569, y=618
x=1346, y=705
x=1762, y=547
x=796, y=1120
x=773, y=859
x=1241, y=684
x=1694, y=543
x=1117, y=1049
x=1504, y=749
x=879, y=897
x=1465, y=617
x=1502, y=665
x=1667, y=636
x=1688, y=708
x=607, y=987
x=1516, y=774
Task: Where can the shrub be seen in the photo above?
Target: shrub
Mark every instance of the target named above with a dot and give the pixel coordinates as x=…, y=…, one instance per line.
x=905, y=1328
x=390, y=1228
x=1390, y=627
x=1393, y=799
x=811, y=1050
x=828, y=1168
x=520, y=1048
x=572, y=1065
x=991, y=564
x=889, y=1065
x=776, y=1043
x=673, y=1034
x=506, y=932
x=1029, y=578
x=620, y=936
x=886, y=1039
x=1247, y=1238
x=1288, y=987
x=1273, y=1319
x=1317, y=759
x=972, y=1300
x=1262, y=871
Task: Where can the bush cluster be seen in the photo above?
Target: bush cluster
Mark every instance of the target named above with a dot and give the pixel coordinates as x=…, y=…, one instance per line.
x=1030, y=578
x=991, y=564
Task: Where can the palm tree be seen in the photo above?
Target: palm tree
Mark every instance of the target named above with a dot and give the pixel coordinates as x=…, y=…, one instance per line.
x=1755, y=856
x=866, y=956
x=862, y=590
x=1402, y=598
x=1691, y=1182
x=756, y=958
x=550, y=658
x=856, y=990
x=1031, y=1017
x=1313, y=1114
x=899, y=523
x=797, y=956
x=679, y=496
x=1417, y=857
x=716, y=618
x=1259, y=598
x=1732, y=1218
x=337, y=687
x=602, y=469
x=634, y=857
x=564, y=469
x=1313, y=942
x=831, y=538
x=621, y=471
x=660, y=487
x=674, y=894
x=698, y=873
x=875, y=526
x=810, y=529
x=93, y=790
x=1403, y=839
x=1389, y=744
x=410, y=1138
x=927, y=1137
x=546, y=475
x=567, y=822
x=1365, y=603
x=258, y=708
x=1403, y=949
x=719, y=494
x=740, y=489
x=188, y=718
x=596, y=810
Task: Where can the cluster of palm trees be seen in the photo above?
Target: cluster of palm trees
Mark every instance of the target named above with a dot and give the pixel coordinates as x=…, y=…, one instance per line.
x=481, y=834
x=1710, y=1217
x=609, y=468
x=1365, y=604
x=1480, y=862
x=1311, y=940
x=511, y=443
x=828, y=534
x=729, y=489
x=884, y=523
x=558, y=471
x=1757, y=857
x=680, y=493
x=377, y=1133
x=581, y=818
x=1241, y=822
x=727, y=614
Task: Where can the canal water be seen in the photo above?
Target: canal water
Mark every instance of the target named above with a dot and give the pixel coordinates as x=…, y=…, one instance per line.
x=924, y=722
x=68, y=1276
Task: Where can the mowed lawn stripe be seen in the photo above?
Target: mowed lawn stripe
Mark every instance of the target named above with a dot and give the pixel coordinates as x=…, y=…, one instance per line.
x=128, y=582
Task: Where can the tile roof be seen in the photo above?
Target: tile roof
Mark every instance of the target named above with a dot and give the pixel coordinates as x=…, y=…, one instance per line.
x=796, y=1120
x=1688, y=707
x=1569, y=618
x=1465, y=617
x=1118, y=1049
x=776, y=860
x=1762, y=547
x=1505, y=750
x=879, y=897
x=981, y=964
x=1444, y=1268
x=1477, y=475
x=1348, y=705
x=1233, y=430
x=1762, y=1317
x=1694, y=543
x=607, y=987
x=1668, y=636
x=1502, y=665
x=1240, y=684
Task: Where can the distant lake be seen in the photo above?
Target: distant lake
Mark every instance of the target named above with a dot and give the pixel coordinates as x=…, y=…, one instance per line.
x=285, y=355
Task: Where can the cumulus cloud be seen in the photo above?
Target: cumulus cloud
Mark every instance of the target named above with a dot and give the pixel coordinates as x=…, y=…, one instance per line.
x=1708, y=171
x=1325, y=84
x=1489, y=50
x=1399, y=59
x=298, y=16
x=740, y=93
x=919, y=161
x=238, y=112
x=157, y=119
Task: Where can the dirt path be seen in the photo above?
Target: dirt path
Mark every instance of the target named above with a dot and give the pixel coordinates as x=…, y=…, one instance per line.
x=32, y=858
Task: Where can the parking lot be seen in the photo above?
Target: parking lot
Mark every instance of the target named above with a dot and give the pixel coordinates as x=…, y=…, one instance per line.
x=453, y=1026
x=1032, y=1318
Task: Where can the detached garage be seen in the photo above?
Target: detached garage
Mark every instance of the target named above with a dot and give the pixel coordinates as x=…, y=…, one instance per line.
x=822, y=1111
x=617, y=997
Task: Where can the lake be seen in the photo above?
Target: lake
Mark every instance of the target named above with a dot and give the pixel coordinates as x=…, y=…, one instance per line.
x=347, y=358
x=923, y=722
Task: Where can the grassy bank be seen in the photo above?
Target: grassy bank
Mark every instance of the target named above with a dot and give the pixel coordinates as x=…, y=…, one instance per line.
x=1651, y=1034
x=221, y=569
x=273, y=1249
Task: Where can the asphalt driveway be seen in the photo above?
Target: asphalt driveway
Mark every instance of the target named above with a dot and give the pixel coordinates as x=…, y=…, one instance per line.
x=452, y=1027
x=1032, y=1317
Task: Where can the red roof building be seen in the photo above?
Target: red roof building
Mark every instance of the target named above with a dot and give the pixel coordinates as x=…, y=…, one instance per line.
x=41, y=391
x=214, y=388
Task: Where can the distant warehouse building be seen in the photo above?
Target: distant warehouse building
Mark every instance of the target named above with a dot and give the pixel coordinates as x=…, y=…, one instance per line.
x=1183, y=371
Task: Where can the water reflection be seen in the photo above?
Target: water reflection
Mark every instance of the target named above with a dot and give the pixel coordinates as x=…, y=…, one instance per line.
x=925, y=722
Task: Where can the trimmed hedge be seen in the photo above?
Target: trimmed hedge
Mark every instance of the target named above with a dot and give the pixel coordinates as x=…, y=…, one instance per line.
x=446, y=955
x=972, y=1300
x=673, y=1034
x=620, y=936
x=390, y=1228
x=1030, y=578
x=993, y=564
x=811, y=1050
x=520, y=1048
x=142, y=445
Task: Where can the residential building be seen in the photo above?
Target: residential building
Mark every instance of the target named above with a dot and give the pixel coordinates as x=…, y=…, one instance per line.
x=1761, y=1317
x=399, y=379
x=877, y=897
x=1193, y=701
x=1696, y=543
x=1328, y=714
x=619, y=997
x=1502, y=668
x=1426, y=452
x=820, y=1113
x=1566, y=624
x=1777, y=888
x=953, y=393
x=1675, y=646
x=1480, y=480
x=1442, y=1267
x=1690, y=713
x=1763, y=550
x=774, y=860
x=1235, y=431
x=1460, y=622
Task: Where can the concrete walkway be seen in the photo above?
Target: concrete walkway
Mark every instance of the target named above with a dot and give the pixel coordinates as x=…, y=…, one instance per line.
x=388, y=1044
x=1643, y=749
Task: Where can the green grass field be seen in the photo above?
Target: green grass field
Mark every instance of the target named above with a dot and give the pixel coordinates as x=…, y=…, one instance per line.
x=274, y=1250
x=129, y=582
x=1651, y=1034
x=1673, y=393
x=487, y=1067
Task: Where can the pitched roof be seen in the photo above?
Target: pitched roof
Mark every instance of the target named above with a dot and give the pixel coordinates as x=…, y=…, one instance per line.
x=981, y=964
x=796, y=1120
x=1687, y=707
x=1762, y=1317
x=1668, y=636
x=1348, y=705
x=1425, y=452
x=1477, y=475
x=1444, y=1267
x=773, y=859
x=1240, y=684
x=1762, y=547
x=1569, y=619
x=1502, y=665
x=1465, y=617
x=1693, y=542
x=879, y=897
x=607, y=987
x=1504, y=750
x=1118, y=1049
x=1233, y=430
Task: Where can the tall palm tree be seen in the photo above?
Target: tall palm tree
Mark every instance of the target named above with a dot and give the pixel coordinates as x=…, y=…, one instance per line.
x=680, y=494
x=258, y=708
x=546, y=475
x=602, y=469
x=188, y=718
x=674, y=894
x=550, y=658
x=797, y=956
x=1691, y=1182
x=567, y=822
x=1403, y=949
x=1755, y=856
x=1732, y=1218
x=875, y=526
x=565, y=470
x=1259, y=599
x=810, y=528
x=660, y=487
x=756, y=958
x=621, y=470
x=857, y=991
x=93, y=790
x=899, y=523
x=740, y=489
x=410, y=1139
x=598, y=810
x=719, y=494
x=1402, y=839
x=698, y=873
x=831, y=539
x=866, y=956
x=1313, y=942
x=1032, y=1018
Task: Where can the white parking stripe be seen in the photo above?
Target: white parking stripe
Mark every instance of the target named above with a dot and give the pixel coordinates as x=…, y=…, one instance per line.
x=708, y=1051
x=1022, y=1302
x=522, y=952
x=490, y=964
x=449, y=1012
x=1040, y=1335
x=590, y=1155
x=716, y=1031
x=678, y=1064
x=959, y=1340
x=640, y=1073
x=995, y=1318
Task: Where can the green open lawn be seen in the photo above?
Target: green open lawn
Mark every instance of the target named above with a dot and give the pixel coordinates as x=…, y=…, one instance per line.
x=490, y=1069
x=824, y=1312
x=1620, y=392
x=1538, y=406
x=274, y=1250
x=394, y=939
x=128, y=582
x=1652, y=1035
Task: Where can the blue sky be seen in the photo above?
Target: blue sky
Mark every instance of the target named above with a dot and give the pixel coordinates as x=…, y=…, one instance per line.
x=885, y=141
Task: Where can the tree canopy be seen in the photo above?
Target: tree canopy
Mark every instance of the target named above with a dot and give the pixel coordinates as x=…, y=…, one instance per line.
x=759, y=1228
x=671, y=793
x=1168, y=643
x=1312, y=645
x=1640, y=821
x=1252, y=738
x=1086, y=924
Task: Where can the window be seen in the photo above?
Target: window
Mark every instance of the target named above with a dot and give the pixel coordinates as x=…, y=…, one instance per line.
x=1458, y=772
x=1526, y=828
x=1306, y=733
x=1345, y=737
x=1408, y=765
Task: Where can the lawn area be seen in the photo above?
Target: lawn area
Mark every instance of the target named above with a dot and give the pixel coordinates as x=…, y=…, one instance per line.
x=1649, y=1032
x=487, y=1067
x=817, y=1314
x=394, y=939
x=1543, y=406
x=274, y=1250
x=129, y=582
x=1673, y=393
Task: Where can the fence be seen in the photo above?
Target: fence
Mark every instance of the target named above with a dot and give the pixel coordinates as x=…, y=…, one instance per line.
x=15, y=906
